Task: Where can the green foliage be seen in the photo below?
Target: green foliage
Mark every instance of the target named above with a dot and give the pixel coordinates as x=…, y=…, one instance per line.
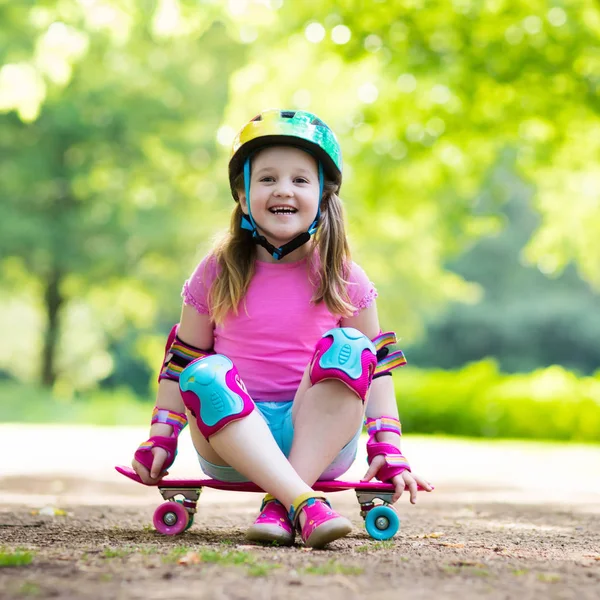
x=115, y=122
x=476, y=401
x=479, y=401
x=28, y=404
x=525, y=320
x=110, y=164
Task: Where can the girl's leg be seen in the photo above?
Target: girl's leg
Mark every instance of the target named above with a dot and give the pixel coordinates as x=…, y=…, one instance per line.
x=248, y=446
x=224, y=413
x=326, y=417
x=245, y=444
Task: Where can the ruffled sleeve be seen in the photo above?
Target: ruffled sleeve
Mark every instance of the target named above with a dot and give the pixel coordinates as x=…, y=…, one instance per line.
x=196, y=289
x=361, y=290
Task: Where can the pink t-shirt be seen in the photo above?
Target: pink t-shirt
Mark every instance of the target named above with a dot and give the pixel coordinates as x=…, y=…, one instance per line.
x=274, y=334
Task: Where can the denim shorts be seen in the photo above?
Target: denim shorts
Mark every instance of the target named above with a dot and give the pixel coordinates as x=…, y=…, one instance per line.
x=278, y=416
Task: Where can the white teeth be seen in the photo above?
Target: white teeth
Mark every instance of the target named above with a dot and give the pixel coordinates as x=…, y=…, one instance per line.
x=282, y=211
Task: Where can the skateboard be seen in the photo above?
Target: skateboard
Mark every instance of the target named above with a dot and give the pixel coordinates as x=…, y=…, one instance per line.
x=181, y=496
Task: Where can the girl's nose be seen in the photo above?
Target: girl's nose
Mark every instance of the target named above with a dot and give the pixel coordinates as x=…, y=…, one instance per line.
x=284, y=188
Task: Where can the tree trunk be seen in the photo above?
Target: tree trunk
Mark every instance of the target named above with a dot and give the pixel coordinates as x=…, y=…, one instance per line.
x=53, y=301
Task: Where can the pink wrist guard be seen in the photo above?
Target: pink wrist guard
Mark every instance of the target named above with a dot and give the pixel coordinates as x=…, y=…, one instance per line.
x=395, y=463
x=177, y=420
x=144, y=453
x=386, y=360
x=390, y=424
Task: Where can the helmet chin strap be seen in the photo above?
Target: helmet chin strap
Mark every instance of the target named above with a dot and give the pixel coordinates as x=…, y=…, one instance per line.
x=249, y=223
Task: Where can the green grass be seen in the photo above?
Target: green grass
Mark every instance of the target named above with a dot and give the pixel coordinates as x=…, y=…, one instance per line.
x=262, y=569
x=376, y=546
x=15, y=558
x=148, y=550
x=117, y=552
x=28, y=588
x=331, y=567
x=236, y=558
x=548, y=577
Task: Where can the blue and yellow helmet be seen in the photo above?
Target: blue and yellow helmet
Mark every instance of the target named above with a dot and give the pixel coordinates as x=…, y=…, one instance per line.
x=287, y=127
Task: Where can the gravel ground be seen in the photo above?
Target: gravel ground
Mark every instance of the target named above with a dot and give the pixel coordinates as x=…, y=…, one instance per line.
x=86, y=533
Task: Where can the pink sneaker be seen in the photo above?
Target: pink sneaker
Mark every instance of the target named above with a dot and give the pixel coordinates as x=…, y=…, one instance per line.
x=272, y=524
x=322, y=524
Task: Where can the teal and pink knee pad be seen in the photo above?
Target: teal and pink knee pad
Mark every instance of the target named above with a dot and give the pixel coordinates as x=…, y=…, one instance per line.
x=214, y=393
x=347, y=355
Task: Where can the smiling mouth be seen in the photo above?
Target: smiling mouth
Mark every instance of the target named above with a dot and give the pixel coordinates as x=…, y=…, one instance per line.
x=283, y=210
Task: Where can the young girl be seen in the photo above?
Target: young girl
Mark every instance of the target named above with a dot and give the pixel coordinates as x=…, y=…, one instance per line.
x=279, y=349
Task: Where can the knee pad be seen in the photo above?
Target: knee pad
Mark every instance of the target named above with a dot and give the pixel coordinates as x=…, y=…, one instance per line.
x=213, y=392
x=345, y=354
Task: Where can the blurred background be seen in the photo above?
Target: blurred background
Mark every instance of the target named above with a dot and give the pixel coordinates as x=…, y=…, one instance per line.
x=471, y=139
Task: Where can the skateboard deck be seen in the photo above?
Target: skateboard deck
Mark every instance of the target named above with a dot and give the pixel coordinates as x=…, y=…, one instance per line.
x=320, y=486
x=176, y=515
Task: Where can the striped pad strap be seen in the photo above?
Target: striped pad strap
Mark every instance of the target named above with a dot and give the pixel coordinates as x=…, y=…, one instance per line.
x=178, y=357
x=390, y=424
x=177, y=420
x=386, y=360
x=384, y=339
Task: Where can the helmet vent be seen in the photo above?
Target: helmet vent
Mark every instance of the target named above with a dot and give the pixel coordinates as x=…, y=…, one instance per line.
x=317, y=121
x=288, y=114
x=257, y=118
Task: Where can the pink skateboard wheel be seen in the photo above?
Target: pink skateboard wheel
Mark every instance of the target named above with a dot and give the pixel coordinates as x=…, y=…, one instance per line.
x=170, y=518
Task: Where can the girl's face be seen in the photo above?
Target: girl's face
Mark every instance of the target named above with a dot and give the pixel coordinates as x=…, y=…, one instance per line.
x=284, y=196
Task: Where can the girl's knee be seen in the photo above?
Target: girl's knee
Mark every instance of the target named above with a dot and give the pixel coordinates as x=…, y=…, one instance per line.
x=213, y=392
x=347, y=355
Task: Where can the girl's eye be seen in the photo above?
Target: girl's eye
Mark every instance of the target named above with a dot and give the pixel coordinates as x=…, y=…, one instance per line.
x=267, y=178
x=301, y=180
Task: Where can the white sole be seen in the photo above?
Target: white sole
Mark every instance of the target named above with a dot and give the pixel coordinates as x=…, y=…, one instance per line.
x=328, y=532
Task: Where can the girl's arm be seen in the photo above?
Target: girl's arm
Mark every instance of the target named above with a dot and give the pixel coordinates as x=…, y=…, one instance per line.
x=195, y=329
x=382, y=397
x=381, y=402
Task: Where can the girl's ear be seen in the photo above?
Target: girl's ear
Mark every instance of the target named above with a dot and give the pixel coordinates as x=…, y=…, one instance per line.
x=243, y=203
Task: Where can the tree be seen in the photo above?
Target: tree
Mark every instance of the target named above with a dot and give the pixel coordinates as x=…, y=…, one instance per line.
x=107, y=177
x=525, y=320
x=426, y=97
x=111, y=167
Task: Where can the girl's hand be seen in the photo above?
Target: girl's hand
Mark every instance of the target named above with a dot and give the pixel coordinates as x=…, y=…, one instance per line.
x=401, y=481
x=412, y=481
x=153, y=476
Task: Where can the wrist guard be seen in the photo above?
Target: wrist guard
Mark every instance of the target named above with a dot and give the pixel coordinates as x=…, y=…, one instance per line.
x=386, y=360
x=390, y=424
x=144, y=453
x=176, y=420
x=395, y=463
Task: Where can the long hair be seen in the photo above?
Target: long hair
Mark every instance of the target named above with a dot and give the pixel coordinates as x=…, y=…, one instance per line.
x=329, y=258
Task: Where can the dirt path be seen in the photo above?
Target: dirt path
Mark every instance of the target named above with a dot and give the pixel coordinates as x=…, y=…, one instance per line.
x=486, y=531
